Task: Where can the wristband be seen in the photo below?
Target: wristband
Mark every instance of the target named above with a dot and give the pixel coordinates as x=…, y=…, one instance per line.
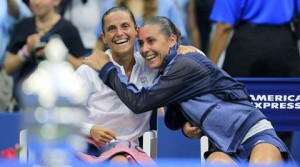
x=24, y=54
x=21, y=56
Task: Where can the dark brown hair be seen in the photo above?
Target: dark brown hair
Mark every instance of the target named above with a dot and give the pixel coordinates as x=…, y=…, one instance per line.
x=116, y=9
x=167, y=26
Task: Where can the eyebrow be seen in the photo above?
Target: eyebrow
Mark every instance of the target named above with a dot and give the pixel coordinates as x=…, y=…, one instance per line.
x=123, y=23
x=111, y=26
x=151, y=37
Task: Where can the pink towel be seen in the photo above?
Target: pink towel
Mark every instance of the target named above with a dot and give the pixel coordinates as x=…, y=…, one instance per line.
x=117, y=147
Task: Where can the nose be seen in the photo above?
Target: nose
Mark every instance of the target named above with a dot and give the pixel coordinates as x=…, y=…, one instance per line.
x=144, y=49
x=119, y=32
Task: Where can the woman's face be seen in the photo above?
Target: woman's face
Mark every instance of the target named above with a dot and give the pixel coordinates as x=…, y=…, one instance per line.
x=120, y=32
x=43, y=7
x=154, y=45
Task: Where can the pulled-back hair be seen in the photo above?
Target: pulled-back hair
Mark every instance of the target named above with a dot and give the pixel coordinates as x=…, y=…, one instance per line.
x=167, y=26
x=117, y=9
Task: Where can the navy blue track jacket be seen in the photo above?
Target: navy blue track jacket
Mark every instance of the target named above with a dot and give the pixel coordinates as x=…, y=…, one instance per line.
x=207, y=96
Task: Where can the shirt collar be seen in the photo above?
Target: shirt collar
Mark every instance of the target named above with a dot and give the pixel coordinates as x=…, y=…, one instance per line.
x=138, y=58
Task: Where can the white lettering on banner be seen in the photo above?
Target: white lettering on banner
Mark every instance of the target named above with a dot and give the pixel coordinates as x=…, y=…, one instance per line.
x=276, y=101
x=295, y=98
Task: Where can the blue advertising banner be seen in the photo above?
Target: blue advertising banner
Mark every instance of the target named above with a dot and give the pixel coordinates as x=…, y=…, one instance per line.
x=278, y=99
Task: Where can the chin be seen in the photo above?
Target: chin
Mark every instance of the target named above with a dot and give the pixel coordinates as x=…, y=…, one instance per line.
x=153, y=66
x=123, y=50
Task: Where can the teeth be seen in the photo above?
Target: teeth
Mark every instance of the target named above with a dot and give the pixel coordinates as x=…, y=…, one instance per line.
x=121, y=41
x=150, y=56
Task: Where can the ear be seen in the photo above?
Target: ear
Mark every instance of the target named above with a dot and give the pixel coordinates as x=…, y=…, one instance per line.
x=173, y=40
x=103, y=38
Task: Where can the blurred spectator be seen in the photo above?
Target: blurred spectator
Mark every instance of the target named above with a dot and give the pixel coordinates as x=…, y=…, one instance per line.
x=187, y=9
x=262, y=44
x=202, y=10
x=26, y=2
x=11, y=12
x=84, y=14
x=143, y=10
x=196, y=15
x=29, y=37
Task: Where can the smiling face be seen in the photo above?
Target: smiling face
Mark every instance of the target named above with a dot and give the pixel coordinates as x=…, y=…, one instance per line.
x=154, y=45
x=120, y=32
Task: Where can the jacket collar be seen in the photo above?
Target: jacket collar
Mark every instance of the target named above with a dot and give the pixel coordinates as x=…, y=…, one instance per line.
x=172, y=53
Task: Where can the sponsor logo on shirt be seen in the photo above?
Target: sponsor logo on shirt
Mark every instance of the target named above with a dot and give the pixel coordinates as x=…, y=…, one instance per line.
x=144, y=80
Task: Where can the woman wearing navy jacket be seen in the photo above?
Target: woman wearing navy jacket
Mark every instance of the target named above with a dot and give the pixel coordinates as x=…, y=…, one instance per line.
x=192, y=86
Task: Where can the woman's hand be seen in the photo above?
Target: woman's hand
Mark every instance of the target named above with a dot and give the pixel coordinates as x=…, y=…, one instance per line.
x=191, y=130
x=97, y=60
x=186, y=49
x=35, y=46
x=102, y=135
x=31, y=41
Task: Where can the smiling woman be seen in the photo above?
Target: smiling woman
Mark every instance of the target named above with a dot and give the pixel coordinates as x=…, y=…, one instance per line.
x=151, y=39
x=119, y=32
x=113, y=126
